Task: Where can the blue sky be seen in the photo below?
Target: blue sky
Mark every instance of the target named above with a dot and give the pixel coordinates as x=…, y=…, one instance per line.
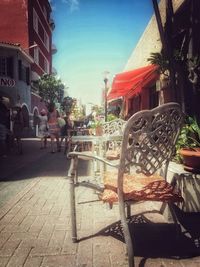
x=94, y=36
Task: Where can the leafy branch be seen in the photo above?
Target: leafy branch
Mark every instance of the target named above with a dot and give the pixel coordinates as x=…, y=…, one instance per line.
x=50, y=88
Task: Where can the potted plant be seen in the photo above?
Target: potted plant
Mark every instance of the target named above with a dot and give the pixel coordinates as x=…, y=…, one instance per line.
x=188, y=145
x=96, y=124
x=111, y=117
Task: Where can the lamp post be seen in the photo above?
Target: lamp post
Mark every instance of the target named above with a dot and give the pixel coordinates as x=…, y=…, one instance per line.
x=105, y=93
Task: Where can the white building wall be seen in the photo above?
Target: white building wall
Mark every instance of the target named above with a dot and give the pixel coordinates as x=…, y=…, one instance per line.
x=150, y=40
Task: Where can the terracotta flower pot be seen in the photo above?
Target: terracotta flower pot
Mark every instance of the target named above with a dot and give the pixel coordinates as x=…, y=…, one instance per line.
x=99, y=130
x=191, y=158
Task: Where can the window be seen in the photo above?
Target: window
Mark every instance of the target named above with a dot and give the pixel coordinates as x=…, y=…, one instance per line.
x=46, y=65
x=3, y=68
x=38, y=27
x=35, y=21
x=45, y=12
x=153, y=97
x=6, y=66
x=27, y=75
x=10, y=67
x=36, y=55
x=43, y=8
x=40, y=31
x=19, y=69
x=23, y=72
x=43, y=63
x=134, y=104
x=46, y=40
x=41, y=60
x=43, y=35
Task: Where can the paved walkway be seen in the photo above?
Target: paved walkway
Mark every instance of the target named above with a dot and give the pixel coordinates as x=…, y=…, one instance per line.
x=35, y=222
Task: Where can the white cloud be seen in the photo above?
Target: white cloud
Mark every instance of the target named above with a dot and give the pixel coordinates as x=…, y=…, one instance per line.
x=73, y=4
x=53, y=5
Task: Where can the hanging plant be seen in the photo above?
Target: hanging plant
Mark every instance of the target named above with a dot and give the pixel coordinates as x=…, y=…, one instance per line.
x=161, y=61
x=163, y=67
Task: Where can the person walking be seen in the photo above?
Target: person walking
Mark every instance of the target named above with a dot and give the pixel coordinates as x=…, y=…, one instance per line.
x=65, y=130
x=4, y=120
x=54, y=129
x=43, y=128
x=18, y=125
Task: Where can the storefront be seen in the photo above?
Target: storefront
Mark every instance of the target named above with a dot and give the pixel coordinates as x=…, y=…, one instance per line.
x=136, y=89
x=15, y=86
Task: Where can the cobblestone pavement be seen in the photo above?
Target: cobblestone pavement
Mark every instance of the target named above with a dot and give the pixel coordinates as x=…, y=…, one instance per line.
x=35, y=222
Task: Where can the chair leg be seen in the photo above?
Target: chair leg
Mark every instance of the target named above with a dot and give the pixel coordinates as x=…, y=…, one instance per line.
x=128, y=210
x=72, y=174
x=174, y=217
x=127, y=236
x=66, y=144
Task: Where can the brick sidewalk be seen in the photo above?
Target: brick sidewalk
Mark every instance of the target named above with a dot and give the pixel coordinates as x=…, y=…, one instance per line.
x=35, y=230
x=14, y=162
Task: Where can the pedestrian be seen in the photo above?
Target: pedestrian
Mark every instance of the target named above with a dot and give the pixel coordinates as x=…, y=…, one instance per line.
x=43, y=128
x=18, y=125
x=66, y=130
x=54, y=129
x=4, y=117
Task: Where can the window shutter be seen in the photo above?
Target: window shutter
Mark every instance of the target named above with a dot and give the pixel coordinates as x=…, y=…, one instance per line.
x=10, y=67
x=19, y=69
x=27, y=75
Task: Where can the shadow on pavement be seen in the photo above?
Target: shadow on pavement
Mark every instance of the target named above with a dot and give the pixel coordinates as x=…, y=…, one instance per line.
x=36, y=162
x=17, y=171
x=45, y=165
x=153, y=240
x=190, y=222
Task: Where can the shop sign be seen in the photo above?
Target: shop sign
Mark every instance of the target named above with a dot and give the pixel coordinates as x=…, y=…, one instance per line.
x=7, y=82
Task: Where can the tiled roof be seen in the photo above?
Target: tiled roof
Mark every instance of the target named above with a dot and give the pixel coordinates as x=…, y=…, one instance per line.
x=16, y=46
x=7, y=43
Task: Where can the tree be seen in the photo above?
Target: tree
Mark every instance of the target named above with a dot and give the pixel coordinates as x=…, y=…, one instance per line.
x=97, y=109
x=67, y=104
x=50, y=88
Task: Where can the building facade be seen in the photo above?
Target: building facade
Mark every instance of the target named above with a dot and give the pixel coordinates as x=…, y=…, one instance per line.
x=15, y=68
x=180, y=20
x=150, y=40
x=28, y=24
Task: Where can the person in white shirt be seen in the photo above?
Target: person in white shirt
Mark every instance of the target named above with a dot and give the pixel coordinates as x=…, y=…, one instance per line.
x=43, y=128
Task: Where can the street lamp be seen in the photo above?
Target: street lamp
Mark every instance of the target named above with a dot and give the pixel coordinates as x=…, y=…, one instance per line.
x=105, y=92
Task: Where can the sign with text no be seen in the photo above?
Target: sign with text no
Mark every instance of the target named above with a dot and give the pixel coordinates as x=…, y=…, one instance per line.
x=7, y=82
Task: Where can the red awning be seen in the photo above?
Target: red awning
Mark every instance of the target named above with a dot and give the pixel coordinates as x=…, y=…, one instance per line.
x=127, y=84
